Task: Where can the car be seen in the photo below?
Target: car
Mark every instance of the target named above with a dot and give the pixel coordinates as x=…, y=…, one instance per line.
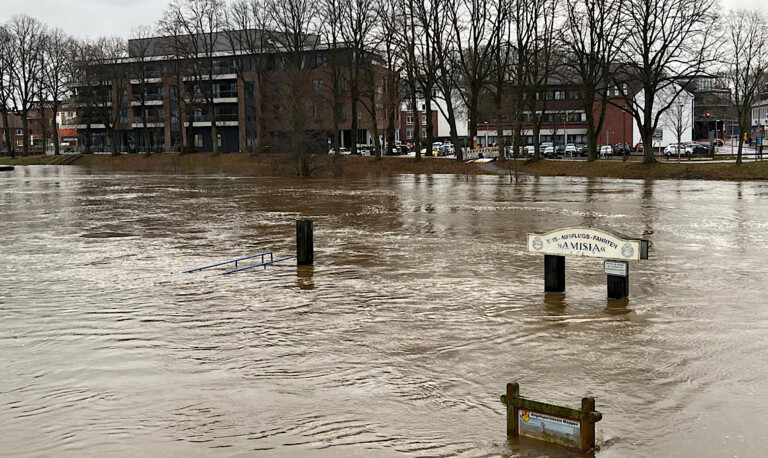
x=639, y=148
x=549, y=152
x=696, y=149
x=674, y=149
x=571, y=150
x=622, y=148
x=582, y=149
x=719, y=142
x=342, y=151
x=605, y=150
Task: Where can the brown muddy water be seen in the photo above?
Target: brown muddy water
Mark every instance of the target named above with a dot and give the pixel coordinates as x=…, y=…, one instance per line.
x=422, y=305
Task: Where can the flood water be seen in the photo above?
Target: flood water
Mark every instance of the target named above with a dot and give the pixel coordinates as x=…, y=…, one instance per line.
x=421, y=306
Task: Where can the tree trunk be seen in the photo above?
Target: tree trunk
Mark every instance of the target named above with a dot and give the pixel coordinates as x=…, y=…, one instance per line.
x=8, y=137
x=147, y=143
x=25, y=130
x=55, y=131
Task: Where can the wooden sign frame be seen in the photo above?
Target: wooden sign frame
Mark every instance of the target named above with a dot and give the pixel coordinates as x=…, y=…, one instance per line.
x=586, y=417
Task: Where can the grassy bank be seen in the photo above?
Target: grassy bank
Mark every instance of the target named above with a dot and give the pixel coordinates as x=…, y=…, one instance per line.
x=352, y=166
x=274, y=165
x=657, y=171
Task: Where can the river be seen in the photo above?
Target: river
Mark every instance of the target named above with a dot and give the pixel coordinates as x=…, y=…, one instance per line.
x=421, y=306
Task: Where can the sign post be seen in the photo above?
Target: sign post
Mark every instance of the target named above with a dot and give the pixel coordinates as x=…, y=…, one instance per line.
x=591, y=242
x=566, y=426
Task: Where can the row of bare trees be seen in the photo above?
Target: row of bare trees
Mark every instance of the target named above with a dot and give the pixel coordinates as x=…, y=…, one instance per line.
x=34, y=63
x=489, y=59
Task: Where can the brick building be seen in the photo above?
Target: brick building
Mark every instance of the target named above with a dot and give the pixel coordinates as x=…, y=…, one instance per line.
x=154, y=97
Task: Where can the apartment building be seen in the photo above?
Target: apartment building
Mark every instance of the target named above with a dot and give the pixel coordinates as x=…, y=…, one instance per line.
x=238, y=100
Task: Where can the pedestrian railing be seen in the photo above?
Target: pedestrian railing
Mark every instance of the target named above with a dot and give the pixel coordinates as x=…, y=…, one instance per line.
x=263, y=263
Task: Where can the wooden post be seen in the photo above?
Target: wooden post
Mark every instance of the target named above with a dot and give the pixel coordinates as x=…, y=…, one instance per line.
x=513, y=392
x=587, y=425
x=618, y=286
x=554, y=274
x=305, y=251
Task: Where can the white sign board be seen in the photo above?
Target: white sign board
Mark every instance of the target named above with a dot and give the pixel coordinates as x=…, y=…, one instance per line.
x=549, y=428
x=616, y=268
x=588, y=242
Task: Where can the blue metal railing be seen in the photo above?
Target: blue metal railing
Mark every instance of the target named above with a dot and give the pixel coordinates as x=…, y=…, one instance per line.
x=235, y=262
x=264, y=264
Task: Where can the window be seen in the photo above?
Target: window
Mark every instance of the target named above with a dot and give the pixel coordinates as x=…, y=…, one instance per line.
x=423, y=119
x=341, y=111
x=321, y=60
x=218, y=139
x=317, y=86
x=317, y=111
x=19, y=131
x=559, y=95
x=423, y=106
x=409, y=120
x=424, y=133
x=198, y=141
x=409, y=134
x=342, y=84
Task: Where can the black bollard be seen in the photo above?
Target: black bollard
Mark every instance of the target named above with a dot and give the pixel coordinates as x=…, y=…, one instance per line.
x=554, y=274
x=305, y=251
x=618, y=285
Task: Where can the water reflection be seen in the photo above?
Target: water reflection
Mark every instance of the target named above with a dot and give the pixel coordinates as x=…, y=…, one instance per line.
x=423, y=306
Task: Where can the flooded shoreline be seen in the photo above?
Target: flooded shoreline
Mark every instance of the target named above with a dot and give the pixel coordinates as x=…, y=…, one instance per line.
x=421, y=306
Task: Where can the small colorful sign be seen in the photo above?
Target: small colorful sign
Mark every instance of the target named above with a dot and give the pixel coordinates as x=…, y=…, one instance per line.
x=549, y=428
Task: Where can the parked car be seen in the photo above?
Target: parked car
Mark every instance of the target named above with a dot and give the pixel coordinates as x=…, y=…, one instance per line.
x=622, y=148
x=582, y=149
x=674, y=149
x=342, y=151
x=639, y=148
x=549, y=152
x=696, y=149
x=571, y=150
x=605, y=150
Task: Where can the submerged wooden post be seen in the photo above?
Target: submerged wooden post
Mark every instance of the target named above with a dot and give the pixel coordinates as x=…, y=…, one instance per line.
x=587, y=425
x=554, y=274
x=305, y=251
x=513, y=392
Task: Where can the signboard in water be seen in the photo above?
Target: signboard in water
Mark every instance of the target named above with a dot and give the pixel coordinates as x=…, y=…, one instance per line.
x=549, y=428
x=589, y=242
x=616, y=268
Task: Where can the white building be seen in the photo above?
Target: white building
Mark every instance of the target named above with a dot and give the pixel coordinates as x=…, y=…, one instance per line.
x=678, y=117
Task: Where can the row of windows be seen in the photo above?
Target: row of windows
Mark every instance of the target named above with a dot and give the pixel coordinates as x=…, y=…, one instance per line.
x=318, y=85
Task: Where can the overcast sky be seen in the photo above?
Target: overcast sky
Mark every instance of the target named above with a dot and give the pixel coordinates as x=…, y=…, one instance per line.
x=95, y=18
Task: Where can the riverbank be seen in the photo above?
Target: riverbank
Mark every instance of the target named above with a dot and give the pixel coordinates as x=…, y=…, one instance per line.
x=351, y=166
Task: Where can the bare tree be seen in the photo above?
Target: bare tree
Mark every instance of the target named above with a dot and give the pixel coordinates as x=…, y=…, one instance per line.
x=679, y=118
x=109, y=80
x=142, y=69
x=6, y=88
x=294, y=26
x=592, y=41
x=247, y=21
x=203, y=21
x=59, y=53
x=447, y=81
x=390, y=47
x=669, y=43
x=474, y=27
x=26, y=45
x=747, y=65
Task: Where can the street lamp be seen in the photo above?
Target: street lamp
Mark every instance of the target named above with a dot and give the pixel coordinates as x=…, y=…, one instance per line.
x=486, y=133
x=624, y=128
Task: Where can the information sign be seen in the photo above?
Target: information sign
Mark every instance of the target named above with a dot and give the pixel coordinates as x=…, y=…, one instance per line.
x=616, y=268
x=549, y=428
